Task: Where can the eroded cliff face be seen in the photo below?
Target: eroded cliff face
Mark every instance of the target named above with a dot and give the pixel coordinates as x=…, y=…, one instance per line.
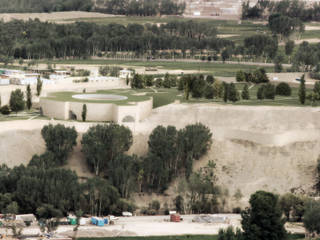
x=270, y=148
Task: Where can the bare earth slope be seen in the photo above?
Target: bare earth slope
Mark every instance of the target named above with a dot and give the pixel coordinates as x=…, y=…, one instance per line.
x=270, y=148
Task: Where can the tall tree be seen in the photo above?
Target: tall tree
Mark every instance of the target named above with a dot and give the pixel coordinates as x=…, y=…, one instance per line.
x=302, y=90
x=245, y=92
x=59, y=140
x=29, y=97
x=225, y=92
x=233, y=93
x=84, y=112
x=39, y=86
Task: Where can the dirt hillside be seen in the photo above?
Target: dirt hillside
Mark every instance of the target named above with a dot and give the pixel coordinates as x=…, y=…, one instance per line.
x=270, y=148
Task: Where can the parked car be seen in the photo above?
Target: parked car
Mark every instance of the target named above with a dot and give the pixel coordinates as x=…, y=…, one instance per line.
x=127, y=214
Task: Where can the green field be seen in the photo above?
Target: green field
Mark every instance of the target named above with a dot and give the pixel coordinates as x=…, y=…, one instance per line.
x=217, y=69
x=170, y=95
x=185, y=237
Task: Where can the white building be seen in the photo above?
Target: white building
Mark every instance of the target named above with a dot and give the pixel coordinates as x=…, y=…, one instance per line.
x=125, y=73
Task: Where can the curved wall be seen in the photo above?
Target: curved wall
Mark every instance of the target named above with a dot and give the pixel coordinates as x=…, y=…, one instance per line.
x=98, y=112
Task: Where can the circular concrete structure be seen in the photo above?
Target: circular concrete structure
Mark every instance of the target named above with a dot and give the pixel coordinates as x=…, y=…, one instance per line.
x=120, y=106
x=107, y=97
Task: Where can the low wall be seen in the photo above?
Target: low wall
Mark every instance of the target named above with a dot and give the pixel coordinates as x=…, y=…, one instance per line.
x=98, y=112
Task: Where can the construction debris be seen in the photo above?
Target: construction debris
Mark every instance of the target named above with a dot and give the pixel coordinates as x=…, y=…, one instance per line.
x=210, y=219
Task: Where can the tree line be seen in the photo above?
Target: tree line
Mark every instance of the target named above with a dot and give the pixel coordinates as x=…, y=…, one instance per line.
x=13, y=6
x=294, y=9
x=37, y=40
x=40, y=40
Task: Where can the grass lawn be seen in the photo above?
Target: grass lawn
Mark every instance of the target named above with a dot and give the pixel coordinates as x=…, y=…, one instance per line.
x=185, y=237
x=130, y=94
x=32, y=114
x=217, y=69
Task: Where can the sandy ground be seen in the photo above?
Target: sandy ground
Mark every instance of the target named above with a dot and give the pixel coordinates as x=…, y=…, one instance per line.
x=297, y=42
x=311, y=28
x=52, y=17
x=227, y=35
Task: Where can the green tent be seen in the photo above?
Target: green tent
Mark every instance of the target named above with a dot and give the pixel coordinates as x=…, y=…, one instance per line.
x=73, y=221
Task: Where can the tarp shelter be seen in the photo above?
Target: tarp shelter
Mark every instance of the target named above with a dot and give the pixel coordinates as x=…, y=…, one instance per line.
x=83, y=221
x=94, y=220
x=4, y=81
x=100, y=223
x=73, y=221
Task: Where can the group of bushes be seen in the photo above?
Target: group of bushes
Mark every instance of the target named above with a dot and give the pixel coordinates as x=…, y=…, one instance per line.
x=141, y=81
x=258, y=76
x=269, y=91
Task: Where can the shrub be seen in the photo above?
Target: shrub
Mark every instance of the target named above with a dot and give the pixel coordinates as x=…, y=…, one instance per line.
x=5, y=110
x=245, y=92
x=210, y=79
x=158, y=82
x=236, y=210
x=180, y=84
x=209, y=92
x=155, y=205
x=17, y=102
x=173, y=81
x=260, y=92
x=270, y=91
x=240, y=76
x=283, y=89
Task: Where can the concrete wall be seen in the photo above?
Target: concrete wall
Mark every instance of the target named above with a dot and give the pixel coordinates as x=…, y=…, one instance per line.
x=98, y=112
x=95, y=111
x=145, y=109
x=55, y=109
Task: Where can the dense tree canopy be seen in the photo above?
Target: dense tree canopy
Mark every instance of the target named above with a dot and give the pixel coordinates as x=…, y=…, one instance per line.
x=103, y=143
x=35, y=39
x=263, y=219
